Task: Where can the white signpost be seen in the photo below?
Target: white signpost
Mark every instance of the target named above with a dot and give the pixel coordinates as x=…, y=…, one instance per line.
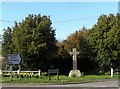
x=14, y=59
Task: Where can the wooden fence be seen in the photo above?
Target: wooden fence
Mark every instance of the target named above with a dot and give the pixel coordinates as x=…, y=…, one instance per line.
x=5, y=72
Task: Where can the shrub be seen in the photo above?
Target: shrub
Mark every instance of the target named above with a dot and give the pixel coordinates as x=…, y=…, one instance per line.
x=101, y=73
x=44, y=73
x=107, y=73
x=36, y=76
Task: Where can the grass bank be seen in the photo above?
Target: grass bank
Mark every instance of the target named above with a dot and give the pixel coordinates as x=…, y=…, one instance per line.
x=62, y=79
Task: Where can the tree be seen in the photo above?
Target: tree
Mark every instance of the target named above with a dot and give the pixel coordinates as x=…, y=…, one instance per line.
x=103, y=38
x=62, y=61
x=0, y=44
x=77, y=40
x=34, y=39
x=7, y=42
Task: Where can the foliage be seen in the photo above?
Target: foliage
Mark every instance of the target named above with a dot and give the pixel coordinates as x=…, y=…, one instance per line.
x=34, y=39
x=77, y=40
x=7, y=42
x=44, y=74
x=62, y=61
x=104, y=39
x=98, y=47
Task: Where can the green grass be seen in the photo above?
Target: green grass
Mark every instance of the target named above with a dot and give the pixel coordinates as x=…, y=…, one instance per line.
x=62, y=79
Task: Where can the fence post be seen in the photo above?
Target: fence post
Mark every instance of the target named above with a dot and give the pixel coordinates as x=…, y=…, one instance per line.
x=18, y=72
x=39, y=73
x=111, y=72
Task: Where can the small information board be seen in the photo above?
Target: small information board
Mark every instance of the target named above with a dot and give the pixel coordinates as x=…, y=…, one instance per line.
x=53, y=71
x=14, y=59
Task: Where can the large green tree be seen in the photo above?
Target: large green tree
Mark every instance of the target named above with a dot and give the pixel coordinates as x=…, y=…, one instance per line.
x=34, y=39
x=7, y=42
x=104, y=38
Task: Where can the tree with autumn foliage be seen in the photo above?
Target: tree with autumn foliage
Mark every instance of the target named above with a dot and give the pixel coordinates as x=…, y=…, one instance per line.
x=77, y=40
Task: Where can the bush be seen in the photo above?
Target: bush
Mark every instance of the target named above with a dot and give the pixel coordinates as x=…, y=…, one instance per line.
x=44, y=73
x=101, y=73
x=36, y=76
x=107, y=73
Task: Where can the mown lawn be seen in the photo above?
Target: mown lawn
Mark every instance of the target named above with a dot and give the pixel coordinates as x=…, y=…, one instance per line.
x=62, y=79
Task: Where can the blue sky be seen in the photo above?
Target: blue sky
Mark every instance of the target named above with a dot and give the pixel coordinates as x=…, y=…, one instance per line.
x=67, y=17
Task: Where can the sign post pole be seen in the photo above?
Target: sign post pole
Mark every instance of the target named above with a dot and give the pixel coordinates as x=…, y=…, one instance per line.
x=11, y=77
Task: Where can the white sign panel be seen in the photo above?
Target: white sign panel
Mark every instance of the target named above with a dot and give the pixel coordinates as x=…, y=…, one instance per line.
x=14, y=59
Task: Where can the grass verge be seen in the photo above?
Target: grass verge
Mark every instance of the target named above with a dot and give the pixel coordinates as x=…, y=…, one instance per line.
x=62, y=79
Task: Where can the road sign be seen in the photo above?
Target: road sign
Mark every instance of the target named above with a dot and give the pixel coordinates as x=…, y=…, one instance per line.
x=14, y=59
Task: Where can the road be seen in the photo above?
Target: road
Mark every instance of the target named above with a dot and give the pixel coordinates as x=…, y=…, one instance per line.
x=106, y=84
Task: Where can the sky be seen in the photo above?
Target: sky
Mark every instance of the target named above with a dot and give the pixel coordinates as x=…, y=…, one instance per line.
x=67, y=17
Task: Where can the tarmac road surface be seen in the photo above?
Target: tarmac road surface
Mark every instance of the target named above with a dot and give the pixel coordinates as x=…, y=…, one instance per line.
x=105, y=84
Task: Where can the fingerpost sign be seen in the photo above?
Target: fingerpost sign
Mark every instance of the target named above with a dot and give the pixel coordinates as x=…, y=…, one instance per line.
x=14, y=59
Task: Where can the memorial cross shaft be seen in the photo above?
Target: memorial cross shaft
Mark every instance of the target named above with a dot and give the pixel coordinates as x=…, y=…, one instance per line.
x=74, y=53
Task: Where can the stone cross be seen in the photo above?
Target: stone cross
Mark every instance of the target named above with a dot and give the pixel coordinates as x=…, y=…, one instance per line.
x=74, y=53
